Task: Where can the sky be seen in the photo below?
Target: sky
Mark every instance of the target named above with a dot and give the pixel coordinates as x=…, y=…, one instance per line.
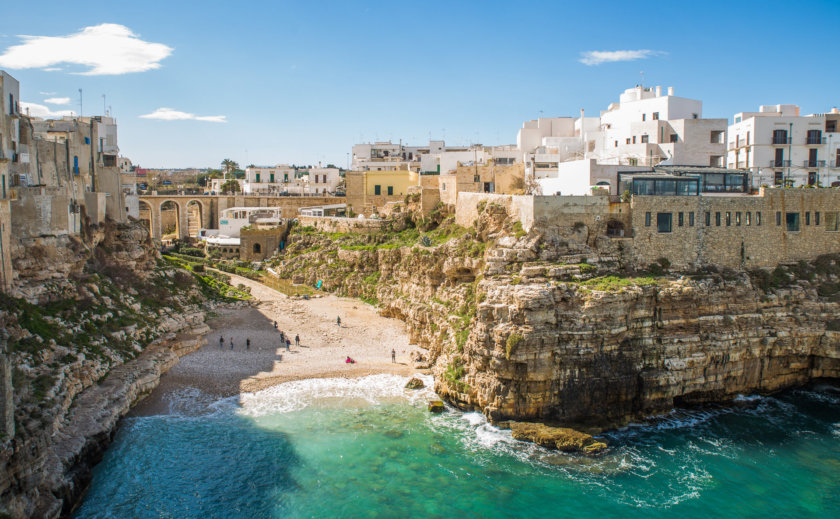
x=271, y=82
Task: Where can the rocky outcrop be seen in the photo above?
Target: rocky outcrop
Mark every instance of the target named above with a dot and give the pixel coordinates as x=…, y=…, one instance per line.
x=549, y=327
x=93, y=326
x=556, y=438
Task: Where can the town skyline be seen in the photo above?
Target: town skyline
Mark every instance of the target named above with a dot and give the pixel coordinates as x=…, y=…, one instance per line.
x=306, y=90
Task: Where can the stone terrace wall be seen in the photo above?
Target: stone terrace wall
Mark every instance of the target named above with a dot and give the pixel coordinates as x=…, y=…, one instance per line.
x=548, y=211
x=337, y=224
x=748, y=235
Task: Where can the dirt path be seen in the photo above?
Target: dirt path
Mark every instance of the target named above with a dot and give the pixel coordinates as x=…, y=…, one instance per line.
x=363, y=335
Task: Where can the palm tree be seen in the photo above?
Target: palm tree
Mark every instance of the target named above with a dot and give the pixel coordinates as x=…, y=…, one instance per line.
x=229, y=165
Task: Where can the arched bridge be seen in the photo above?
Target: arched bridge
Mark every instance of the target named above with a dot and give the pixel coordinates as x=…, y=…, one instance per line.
x=193, y=212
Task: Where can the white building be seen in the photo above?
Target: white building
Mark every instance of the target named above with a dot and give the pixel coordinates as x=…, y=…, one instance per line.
x=644, y=128
x=436, y=158
x=781, y=147
x=268, y=180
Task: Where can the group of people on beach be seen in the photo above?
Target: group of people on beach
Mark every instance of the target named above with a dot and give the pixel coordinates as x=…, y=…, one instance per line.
x=286, y=341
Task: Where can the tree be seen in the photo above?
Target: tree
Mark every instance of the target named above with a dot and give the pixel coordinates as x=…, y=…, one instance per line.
x=231, y=186
x=229, y=165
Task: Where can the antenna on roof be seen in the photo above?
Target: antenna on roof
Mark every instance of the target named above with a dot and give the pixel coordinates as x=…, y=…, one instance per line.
x=642, y=73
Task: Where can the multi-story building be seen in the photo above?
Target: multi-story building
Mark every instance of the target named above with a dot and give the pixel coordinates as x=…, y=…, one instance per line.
x=644, y=128
x=780, y=147
x=284, y=179
x=436, y=158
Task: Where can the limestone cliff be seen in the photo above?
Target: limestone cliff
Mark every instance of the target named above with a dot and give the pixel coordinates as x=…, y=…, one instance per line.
x=90, y=326
x=548, y=326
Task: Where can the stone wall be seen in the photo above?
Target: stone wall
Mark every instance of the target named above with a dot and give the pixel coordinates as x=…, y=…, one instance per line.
x=5, y=246
x=338, y=224
x=259, y=244
x=7, y=404
x=737, y=231
x=40, y=211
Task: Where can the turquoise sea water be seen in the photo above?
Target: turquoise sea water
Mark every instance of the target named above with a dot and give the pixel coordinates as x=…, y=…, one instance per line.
x=368, y=448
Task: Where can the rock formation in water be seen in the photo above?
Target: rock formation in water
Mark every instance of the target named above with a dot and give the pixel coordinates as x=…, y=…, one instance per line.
x=549, y=326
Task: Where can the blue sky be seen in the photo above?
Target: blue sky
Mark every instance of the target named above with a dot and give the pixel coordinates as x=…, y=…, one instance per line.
x=302, y=82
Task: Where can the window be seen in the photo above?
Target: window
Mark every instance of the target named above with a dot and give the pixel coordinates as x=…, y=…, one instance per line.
x=674, y=138
x=778, y=178
x=812, y=158
x=258, y=178
x=737, y=218
x=717, y=218
x=634, y=139
x=832, y=222
x=680, y=219
x=647, y=219
x=728, y=218
x=271, y=178
x=691, y=219
x=443, y=188
x=390, y=190
x=816, y=217
x=616, y=144
x=749, y=218
x=708, y=219
x=716, y=137
x=780, y=137
x=644, y=139
x=807, y=217
x=628, y=140
x=792, y=222
x=814, y=137
x=655, y=116
x=780, y=158
x=377, y=189
x=643, y=116
x=758, y=218
x=663, y=222
x=476, y=178
x=837, y=159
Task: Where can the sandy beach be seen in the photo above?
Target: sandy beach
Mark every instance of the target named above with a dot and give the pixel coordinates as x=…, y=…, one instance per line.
x=364, y=335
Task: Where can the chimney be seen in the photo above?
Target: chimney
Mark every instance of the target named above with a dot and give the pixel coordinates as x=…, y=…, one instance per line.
x=659, y=91
x=670, y=91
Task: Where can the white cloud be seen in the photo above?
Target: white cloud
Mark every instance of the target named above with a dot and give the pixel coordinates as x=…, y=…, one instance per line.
x=36, y=110
x=597, y=57
x=47, y=93
x=106, y=49
x=168, y=114
x=58, y=100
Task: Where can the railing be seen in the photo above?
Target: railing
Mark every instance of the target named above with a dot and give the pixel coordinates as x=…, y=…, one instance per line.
x=779, y=163
x=815, y=140
x=814, y=164
x=781, y=141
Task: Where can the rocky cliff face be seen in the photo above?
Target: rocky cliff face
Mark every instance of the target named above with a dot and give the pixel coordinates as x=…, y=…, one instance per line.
x=547, y=326
x=92, y=327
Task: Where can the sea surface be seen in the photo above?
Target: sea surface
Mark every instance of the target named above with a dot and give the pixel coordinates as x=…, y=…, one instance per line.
x=369, y=448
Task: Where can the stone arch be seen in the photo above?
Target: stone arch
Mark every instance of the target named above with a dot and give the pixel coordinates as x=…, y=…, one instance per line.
x=148, y=217
x=171, y=226
x=615, y=229
x=194, y=213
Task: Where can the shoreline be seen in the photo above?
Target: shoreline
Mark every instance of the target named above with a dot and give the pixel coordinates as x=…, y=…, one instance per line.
x=364, y=335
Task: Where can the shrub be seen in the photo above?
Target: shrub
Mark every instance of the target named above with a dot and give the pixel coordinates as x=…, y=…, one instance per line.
x=512, y=342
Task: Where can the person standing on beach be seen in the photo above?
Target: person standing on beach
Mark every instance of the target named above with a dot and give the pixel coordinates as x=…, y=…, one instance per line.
x=231, y=343
x=221, y=342
x=393, y=356
x=288, y=344
x=275, y=325
x=297, y=341
x=248, y=343
x=338, y=321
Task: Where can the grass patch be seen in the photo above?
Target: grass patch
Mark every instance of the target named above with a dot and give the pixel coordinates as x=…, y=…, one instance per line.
x=617, y=283
x=512, y=342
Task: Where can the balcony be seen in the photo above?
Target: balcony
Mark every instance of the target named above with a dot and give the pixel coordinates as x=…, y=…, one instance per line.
x=815, y=140
x=777, y=141
x=814, y=164
x=779, y=163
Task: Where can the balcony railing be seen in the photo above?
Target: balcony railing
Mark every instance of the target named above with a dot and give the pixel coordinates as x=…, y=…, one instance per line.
x=781, y=141
x=814, y=164
x=815, y=140
x=779, y=163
